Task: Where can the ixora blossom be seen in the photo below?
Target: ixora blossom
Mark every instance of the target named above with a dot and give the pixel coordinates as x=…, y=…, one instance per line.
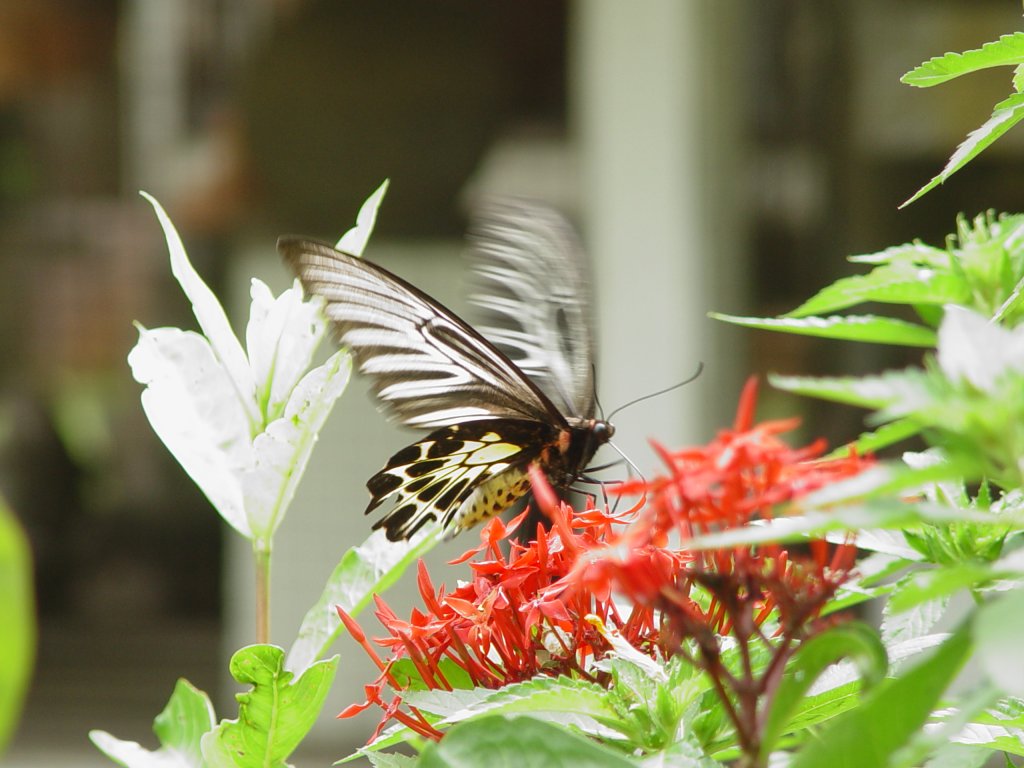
x=564, y=602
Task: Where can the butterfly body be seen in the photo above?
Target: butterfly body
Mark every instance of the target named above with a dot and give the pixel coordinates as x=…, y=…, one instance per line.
x=490, y=416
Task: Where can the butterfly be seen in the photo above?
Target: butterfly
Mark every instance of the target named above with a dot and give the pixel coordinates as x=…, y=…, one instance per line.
x=494, y=407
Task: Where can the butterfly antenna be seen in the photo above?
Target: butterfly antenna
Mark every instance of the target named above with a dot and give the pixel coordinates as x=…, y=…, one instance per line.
x=683, y=383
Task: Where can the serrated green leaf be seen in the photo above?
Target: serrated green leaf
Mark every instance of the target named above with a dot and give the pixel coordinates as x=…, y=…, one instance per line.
x=179, y=728
x=363, y=571
x=874, y=514
x=908, y=253
x=1005, y=115
x=1018, y=78
x=888, y=284
x=959, y=756
x=944, y=582
x=852, y=640
x=522, y=742
x=866, y=328
x=1007, y=50
x=274, y=716
x=906, y=626
x=890, y=715
x=390, y=760
x=562, y=700
x=17, y=622
x=909, y=388
x=875, y=440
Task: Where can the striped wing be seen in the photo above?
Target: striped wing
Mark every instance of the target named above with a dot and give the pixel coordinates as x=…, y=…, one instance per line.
x=534, y=288
x=427, y=366
x=458, y=475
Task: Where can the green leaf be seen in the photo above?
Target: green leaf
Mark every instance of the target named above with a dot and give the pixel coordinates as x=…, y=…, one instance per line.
x=390, y=760
x=354, y=241
x=523, y=742
x=881, y=513
x=946, y=581
x=916, y=253
x=1007, y=50
x=364, y=570
x=179, y=728
x=1018, y=78
x=866, y=328
x=17, y=622
x=876, y=440
x=909, y=388
x=959, y=756
x=852, y=640
x=1005, y=115
x=889, y=715
x=274, y=716
x=560, y=700
x=902, y=283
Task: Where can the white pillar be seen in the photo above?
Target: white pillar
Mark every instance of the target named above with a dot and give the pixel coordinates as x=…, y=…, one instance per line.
x=654, y=142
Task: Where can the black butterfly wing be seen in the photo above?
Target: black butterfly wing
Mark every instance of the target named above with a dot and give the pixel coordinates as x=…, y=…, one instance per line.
x=432, y=370
x=427, y=366
x=459, y=475
x=535, y=290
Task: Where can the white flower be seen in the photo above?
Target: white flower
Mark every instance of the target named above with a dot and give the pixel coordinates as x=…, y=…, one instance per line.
x=242, y=425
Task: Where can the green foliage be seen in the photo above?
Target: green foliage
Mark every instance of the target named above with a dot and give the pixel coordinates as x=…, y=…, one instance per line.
x=1008, y=50
x=946, y=522
x=274, y=716
x=17, y=622
x=523, y=742
x=851, y=640
x=889, y=716
x=363, y=571
x=179, y=728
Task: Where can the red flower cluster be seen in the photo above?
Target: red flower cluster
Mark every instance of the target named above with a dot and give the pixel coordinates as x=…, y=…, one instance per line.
x=738, y=478
x=525, y=613
x=506, y=624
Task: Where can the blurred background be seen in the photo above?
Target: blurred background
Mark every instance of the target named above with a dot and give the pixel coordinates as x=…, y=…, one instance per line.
x=716, y=155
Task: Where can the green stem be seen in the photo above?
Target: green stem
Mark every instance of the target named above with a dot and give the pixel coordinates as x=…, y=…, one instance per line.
x=261, y=552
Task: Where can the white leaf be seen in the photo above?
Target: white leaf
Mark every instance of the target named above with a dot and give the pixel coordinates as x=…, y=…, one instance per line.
x=354, y=241
x=192, y=405
x=973, y=349
x=210, y=315
x=282, y=451
x=133, y=755
x=281, y=338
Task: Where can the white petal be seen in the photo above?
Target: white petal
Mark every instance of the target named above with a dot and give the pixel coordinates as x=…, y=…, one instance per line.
x=281, y=337
x=193, y=407
x=283, y=450
x=212, y=319
x=354, y=241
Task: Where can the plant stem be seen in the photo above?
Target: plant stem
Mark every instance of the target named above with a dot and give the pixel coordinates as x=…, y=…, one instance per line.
x=261, y=553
